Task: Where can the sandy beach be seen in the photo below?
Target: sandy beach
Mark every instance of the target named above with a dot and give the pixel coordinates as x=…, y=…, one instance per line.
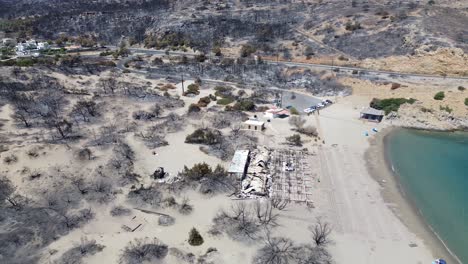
x=394, y=195
x=365, y=228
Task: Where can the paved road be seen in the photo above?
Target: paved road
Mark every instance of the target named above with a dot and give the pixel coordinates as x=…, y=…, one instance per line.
x=341, y=69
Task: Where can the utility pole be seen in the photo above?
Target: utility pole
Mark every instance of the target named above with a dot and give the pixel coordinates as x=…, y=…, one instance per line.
x=281, y=99
x=182, y=84
x=333, y=62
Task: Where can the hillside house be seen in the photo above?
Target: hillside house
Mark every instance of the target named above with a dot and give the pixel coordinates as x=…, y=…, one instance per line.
x=253, y=124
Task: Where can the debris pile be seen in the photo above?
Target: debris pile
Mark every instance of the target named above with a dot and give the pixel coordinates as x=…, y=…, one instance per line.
x=258, y=177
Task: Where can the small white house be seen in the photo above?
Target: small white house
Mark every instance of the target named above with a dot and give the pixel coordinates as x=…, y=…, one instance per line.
x=253, y=124
x=31, y=47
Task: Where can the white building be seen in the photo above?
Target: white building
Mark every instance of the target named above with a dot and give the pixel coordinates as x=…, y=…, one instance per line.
x=31, y=47
x=43, y=46
x=253, y=124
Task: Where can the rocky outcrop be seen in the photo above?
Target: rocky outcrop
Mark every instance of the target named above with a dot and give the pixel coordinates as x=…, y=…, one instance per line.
x=415, y=116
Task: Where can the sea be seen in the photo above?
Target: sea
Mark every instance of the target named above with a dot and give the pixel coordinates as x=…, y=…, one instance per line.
x=432, y=168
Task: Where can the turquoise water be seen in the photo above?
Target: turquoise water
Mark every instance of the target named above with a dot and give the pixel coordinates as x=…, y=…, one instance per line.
x=433, y=170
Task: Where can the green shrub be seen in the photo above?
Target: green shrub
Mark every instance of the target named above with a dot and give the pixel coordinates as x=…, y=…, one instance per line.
x=225, y=101
x=204, y=136
x=247, y=50
x=192, y=89
x=446, y=108
x=222, y=91
x=390, y=104
x=197, y=172
x=293, y=111
x=244, y=105
x=461, y=88
x=466, y=101
x=176, y=39
x=23, y=62
x=352, y=27
x=6, y=51
x=106, y=53
x=195, y=239
x=439, y=96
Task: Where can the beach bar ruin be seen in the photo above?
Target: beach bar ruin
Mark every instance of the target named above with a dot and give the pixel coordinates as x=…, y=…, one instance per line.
x=372, y=114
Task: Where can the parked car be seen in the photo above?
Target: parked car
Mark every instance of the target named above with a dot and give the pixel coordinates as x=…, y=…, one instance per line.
x=308, y=110
x=329, y=101
x=320, y=105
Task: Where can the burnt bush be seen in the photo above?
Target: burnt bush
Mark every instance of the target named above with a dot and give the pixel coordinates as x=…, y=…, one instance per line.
x=166, y=220
x=144, y=250
x=120, y=211
x=294, y=140
x=141, y=196
x=76, y=254
x=143, y=115
x=243, y=221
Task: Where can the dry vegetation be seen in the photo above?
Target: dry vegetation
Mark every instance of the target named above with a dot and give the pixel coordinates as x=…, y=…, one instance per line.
x=90, y=143
x=68, y=155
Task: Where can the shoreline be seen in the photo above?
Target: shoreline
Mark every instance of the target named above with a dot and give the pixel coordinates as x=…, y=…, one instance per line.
x=398, y=200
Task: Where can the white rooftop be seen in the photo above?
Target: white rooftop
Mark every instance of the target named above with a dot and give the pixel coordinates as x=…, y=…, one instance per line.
x=239, y=161
x=372, y=111
x=254, y=122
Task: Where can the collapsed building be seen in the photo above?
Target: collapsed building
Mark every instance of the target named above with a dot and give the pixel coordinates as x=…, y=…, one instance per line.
x=252, y=171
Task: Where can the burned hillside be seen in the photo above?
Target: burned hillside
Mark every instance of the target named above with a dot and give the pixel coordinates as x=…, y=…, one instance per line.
x=252, y=74
x=302, y=28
